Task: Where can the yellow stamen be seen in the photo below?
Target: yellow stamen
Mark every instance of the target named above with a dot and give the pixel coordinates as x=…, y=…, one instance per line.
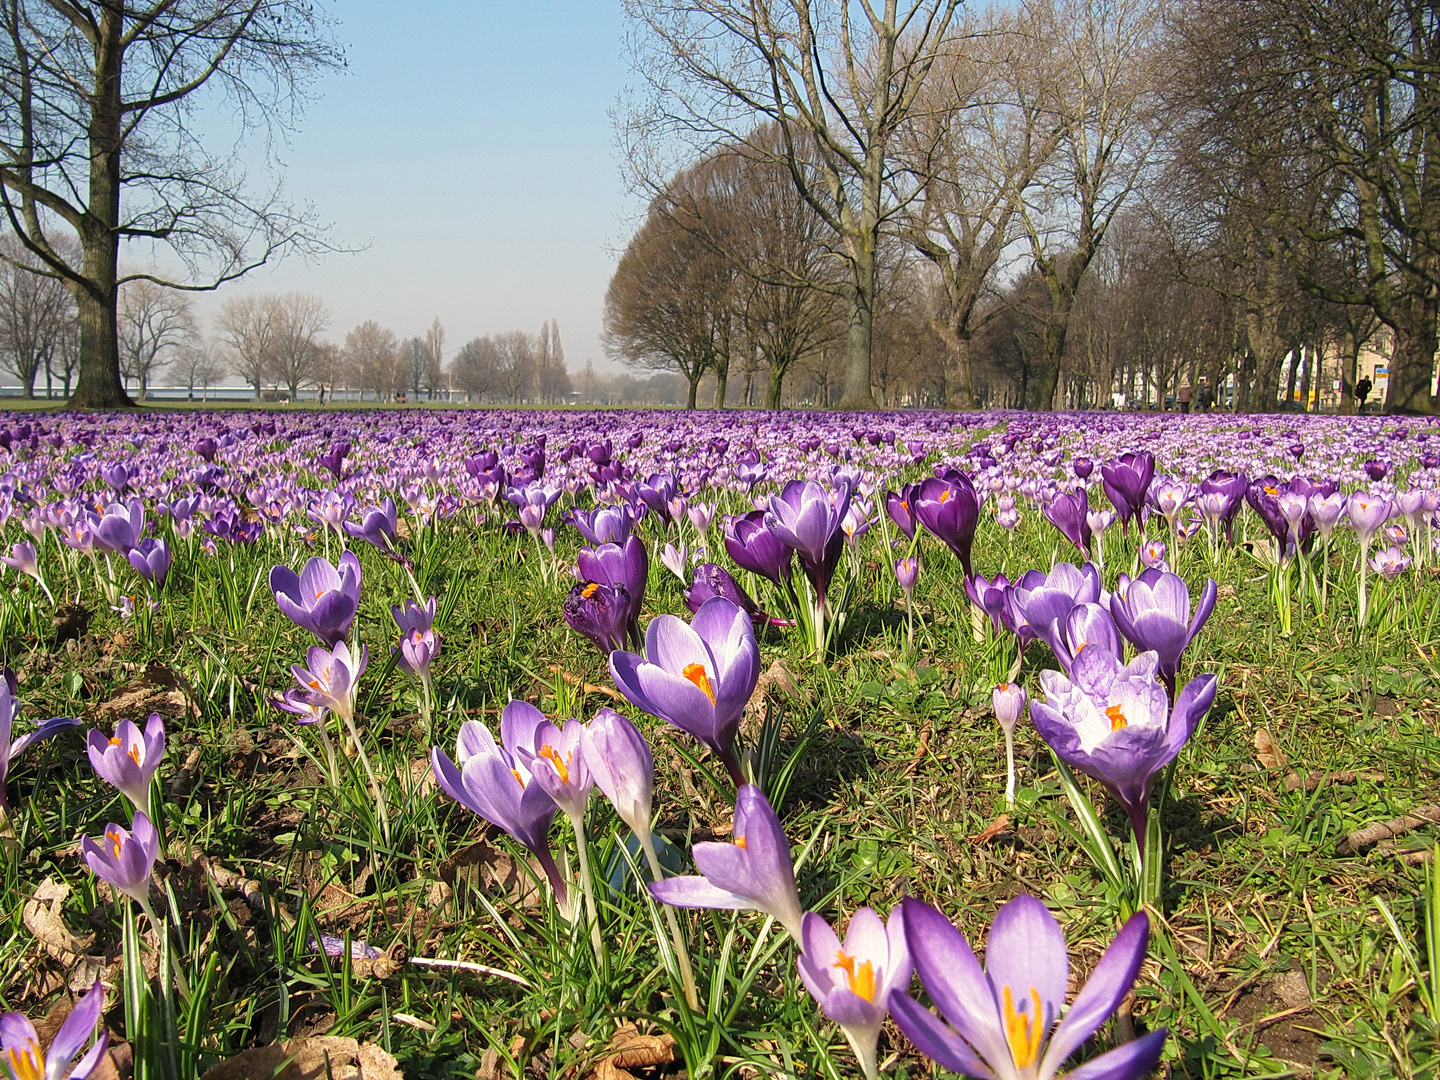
x=1117, y=717
x=696, y=674
x=27, y=1063
x=945, y=496
x=862, y=980
x=590, y=590
x=518, y=778
x=134, y=752
x=1023, y=1031
x=740, y=843
x=115, y=840
x=1271, y=490
x=550, y=754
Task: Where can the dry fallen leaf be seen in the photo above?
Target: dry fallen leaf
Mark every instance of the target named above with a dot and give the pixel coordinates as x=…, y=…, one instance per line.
x=157, y=689
x=498, y=871
x=629, y=1049
x=1267, y=751
x=326, y=1057
x=994, y=829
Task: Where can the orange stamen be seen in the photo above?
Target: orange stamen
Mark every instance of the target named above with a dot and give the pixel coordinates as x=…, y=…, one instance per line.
x=861, y=981
x=590, y=590
x=115, y=840
x=1117, y=717
x=550, y=754
x=1023, y=1031
x=740, y=843
x=696, y=674
x=27, y=1063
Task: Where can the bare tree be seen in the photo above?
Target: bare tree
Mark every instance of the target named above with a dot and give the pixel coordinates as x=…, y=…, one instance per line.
x=670, y=304
x=977, y=146
x=434, y=358
x=98, y=101
x=838, y=80
x=198, y=365
x=36, y=314
x=155, y=323
x=372, y=356
x=515, y=362
x=248, y=326
x=475, y=369
x=413, y=358
x=298, y=320
x=1099, y=79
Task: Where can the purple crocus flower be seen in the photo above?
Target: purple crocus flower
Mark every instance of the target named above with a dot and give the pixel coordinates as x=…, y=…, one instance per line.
x=493, y=782
x=321, y=598
x=622, y=767
x=1002, y=1018
x=907, y=573
x=807, y=518
x=898, y=506
x=605, y=525
x=949, y=509
x=698, y=676
x=125, y=858
x=117, y=476
x=852, y=981
x=378, y=527
x=151, y=560
x=330, y=681
x=120, y=528
x=626, y=565
x=419, y=643
x=1127, y=481
x=127, y=760
x=1367, y=513
x=752, y=874
x=754, y=547
x=20, y=1044
x=557, y=762
x=1070, y=513
x=1114, y=722
x=331, y=510
x=989, y=596
x=207, y=448
x=1153, y=612
x=712, y=580
x=599, y=613
x=1087, y=626
x=334, y=458
x=9, y=708
x=656, y=492
x=1044, y=600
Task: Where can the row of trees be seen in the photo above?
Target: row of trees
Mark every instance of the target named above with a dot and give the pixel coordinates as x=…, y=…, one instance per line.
x=1059, y=203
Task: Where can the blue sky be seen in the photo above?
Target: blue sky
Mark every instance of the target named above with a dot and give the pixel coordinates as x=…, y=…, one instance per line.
x=469, y=150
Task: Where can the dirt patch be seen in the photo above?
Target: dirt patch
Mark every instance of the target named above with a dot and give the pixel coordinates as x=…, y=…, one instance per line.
x=1278, y=1011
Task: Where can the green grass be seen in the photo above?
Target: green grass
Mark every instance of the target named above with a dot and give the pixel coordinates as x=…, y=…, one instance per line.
x=1271, y=960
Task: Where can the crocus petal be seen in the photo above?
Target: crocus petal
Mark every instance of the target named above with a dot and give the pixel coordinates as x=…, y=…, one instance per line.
x=1098, y=999
x=934, y=1039
x=694, y=891
x=518, y=724
x=79, y=1026
x=954, y=980
x=1025, y=952
x=1128, y=1062
x=44, y=731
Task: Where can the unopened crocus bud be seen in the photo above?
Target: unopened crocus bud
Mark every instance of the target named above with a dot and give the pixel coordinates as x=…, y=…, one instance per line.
x=907, y=572
x=1008, y=700
x=1153, y=554
x=622, y=767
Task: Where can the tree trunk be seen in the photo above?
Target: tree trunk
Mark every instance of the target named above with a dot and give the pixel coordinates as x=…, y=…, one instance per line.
x=99, y=385
x=1412, y=362
x=859, y=340
x=722, y=377
x=694, y=387
x=959, y=375
x=773, y=390
x=1349, y=365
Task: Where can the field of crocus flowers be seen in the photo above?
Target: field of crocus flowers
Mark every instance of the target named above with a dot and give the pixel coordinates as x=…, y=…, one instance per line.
x=627, y=744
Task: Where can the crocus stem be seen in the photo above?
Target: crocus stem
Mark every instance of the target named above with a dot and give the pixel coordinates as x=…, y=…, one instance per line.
x=582, y=850
x=865, y=1052
x=1364, y=593
x=1009, y=766
x=682, y=951
x=329, y=748
x=425, y=708
x=370, y=774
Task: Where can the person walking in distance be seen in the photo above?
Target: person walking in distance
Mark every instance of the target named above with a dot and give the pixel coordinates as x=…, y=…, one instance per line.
x=1362, y=391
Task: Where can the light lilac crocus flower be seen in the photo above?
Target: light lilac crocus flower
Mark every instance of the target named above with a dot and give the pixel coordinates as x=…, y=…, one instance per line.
x=22, y=1057
x=852, y=981
x=330, y=678
x=1153, y=612
x=493, y=782
x=127, y=760
x=1114, y=722
x=419, y=643
x=1008, y=700
x=698, y=677
x=752, y=874
x=125, y=858
x=23, y=558
x=1002, y=1019
x=322, y=598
